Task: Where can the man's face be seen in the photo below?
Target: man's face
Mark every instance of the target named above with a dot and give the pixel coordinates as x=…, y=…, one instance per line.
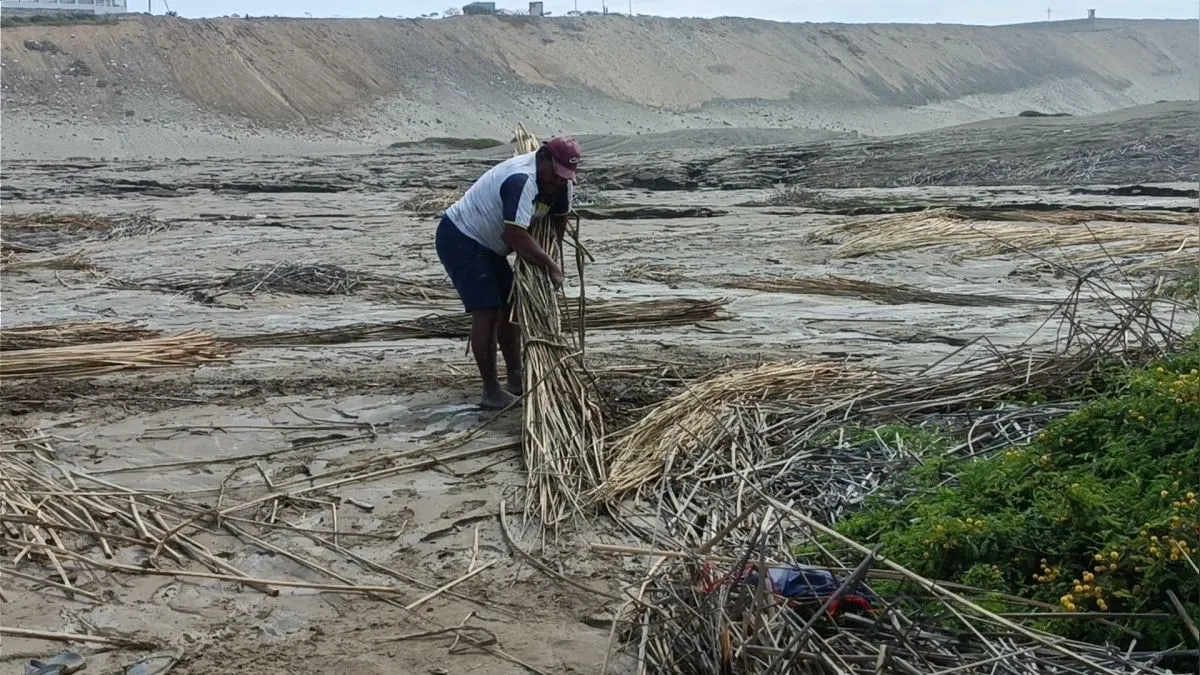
x=548, y=178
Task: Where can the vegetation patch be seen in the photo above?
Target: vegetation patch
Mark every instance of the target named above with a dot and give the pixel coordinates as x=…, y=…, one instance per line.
x=451, y=142
x=1097, y=516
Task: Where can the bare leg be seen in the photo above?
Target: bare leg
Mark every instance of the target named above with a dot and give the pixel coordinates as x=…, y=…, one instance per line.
x=509, y=337
x=484, y=325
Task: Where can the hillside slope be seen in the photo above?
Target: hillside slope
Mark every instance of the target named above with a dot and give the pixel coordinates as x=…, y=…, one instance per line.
x=607, y=74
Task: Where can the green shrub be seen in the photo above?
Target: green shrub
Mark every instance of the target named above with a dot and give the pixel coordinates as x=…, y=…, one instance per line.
x=451, y=142
x=1098, y=514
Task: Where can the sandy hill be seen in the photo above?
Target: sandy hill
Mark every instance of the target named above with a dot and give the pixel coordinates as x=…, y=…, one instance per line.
x=380, y=80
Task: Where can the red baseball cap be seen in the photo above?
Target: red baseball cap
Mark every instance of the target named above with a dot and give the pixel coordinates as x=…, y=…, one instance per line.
x=566, y=153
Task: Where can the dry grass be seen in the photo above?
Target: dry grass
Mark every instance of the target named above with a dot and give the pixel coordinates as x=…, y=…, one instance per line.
x=187, y=349
x=49, y=336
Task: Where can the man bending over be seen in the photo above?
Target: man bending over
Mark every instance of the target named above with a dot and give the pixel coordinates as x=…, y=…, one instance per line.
x=478, y=232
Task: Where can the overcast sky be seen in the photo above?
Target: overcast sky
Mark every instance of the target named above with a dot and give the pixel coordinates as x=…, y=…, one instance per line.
x=850, y=11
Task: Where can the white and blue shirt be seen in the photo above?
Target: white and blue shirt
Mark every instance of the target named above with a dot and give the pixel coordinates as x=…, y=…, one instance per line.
x=506, y=195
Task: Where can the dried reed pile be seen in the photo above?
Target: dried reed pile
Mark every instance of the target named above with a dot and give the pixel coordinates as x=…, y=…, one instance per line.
x=431, y=202
x=937, y=228
x=45, y=336
x=651, y=272
x=11, y=262
x=51, y=515
x=37, y=229
x=709, y=613
x=748, y=471
x=682, y=427
x=602, y=314
x=869, y=290
x=296, y=279
x=185, y=349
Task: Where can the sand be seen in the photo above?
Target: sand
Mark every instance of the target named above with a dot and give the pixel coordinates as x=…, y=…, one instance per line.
x=166, y=87
x=247, y=161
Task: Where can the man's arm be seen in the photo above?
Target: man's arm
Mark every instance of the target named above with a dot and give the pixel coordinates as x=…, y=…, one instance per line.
x=561, y=210
x=516, y=195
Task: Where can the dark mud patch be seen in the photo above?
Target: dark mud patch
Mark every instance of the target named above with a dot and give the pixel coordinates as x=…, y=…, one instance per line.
x=1138, y=191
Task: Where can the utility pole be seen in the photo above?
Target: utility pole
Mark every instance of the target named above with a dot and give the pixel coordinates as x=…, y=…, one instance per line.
x=1047, y=15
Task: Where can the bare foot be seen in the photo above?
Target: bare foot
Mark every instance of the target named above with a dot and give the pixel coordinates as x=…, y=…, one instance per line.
x=497, y=400
x=516, y=384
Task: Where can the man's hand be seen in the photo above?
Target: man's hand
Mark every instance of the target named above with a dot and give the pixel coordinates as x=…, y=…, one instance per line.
x=525, y=246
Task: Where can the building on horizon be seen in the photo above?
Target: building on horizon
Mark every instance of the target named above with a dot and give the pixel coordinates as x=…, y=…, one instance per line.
x=25, y=7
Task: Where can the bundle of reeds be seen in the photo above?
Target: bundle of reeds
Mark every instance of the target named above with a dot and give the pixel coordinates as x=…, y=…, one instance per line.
x=628, y=314
x=525, y=141
x=946, y=227
x=562, y=421
x=44, y=336
x=190, y=348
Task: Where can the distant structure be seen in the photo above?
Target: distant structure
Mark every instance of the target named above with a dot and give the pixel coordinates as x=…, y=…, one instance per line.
x=535, y=9
x=476, y=8
x=18, y=7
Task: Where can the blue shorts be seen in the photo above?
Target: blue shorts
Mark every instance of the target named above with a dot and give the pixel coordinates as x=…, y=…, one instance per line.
x=483, y=278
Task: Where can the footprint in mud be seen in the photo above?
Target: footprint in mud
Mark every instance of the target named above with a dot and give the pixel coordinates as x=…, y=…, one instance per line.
x=462, y=507
x=404, y=494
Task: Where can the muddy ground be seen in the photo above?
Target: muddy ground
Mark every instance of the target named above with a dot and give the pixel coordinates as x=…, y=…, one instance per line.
x=426, y=527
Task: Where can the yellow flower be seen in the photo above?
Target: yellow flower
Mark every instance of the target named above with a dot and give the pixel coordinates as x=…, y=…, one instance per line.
x=1102, y=605
x=1114, y=556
